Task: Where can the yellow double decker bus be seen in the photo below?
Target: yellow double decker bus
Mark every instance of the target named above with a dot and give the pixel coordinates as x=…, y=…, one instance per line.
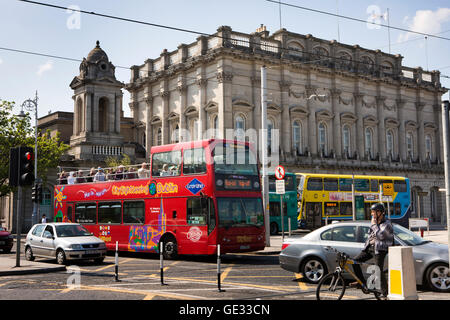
x=325, y=198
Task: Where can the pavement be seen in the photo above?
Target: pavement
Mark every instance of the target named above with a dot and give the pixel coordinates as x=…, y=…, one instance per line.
x=8, y=263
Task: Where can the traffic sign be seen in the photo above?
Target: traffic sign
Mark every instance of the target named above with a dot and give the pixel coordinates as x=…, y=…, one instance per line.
x=388, y=189
x=280, y=172
x=279, y=187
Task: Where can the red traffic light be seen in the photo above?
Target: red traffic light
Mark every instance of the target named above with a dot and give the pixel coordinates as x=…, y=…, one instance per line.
x=29, y=156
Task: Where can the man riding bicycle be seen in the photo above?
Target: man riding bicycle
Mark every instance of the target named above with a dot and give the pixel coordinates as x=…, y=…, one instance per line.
x=381, y=237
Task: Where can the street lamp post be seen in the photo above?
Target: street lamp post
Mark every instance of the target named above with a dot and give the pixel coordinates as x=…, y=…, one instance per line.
x=32, y=105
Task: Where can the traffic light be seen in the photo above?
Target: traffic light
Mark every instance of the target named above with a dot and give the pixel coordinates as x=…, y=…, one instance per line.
x=34, y=193
x=39, y=193
x=26, y=166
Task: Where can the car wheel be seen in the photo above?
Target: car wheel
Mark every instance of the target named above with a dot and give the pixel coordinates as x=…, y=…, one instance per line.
x=60, y=257
x=313, y=269
x=29, y=254
x=273, y=228
x=438, y=277
x=170, y=247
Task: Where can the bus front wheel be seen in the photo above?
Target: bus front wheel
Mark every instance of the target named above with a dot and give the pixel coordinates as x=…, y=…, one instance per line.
x=273, y=228
x=170, y=250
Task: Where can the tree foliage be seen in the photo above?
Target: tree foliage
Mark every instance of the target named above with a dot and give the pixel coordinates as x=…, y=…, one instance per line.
x=17, y=131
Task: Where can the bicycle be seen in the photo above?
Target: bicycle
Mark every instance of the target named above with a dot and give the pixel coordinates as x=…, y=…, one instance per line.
x=332, y=286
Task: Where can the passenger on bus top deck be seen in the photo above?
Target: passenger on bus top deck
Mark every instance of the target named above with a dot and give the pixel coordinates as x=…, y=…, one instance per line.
x=71, y=179
x=99, y=176
x=120, y=172
x=92, y=173
x=63, y=178
x=131, y=173
x=80, y=178
x=143, y=171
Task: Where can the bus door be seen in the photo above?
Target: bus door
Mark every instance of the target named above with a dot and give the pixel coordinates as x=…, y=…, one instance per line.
x=68, y=215
x=313, y=212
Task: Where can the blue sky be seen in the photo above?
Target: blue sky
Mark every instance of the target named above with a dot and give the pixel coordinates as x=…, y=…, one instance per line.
x=41, y=29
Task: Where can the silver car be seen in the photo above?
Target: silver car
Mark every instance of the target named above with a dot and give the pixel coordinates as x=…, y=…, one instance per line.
x=63, y=241
x=311, y=257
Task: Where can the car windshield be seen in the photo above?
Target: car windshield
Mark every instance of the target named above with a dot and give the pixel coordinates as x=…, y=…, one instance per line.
x=407, y=236
x=71, y=230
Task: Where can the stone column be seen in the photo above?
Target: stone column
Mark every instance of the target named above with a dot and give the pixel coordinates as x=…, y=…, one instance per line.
x=165, y=95
x=421, y=132
x=401, y=129
x=381, y=127
x=95, y=113
x=182, y=89
x=437, y=120
x=202, y=119
x=285, y=125
x=225, y=108
x=117, y=112
x=148, y=126
x=336, y=121
x=312, y=123
x=360, y=134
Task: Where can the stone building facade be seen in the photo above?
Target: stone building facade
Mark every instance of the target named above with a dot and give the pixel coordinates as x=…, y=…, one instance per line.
x=338, y=108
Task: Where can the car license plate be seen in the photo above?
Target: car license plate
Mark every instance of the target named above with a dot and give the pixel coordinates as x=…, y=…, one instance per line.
x=244, y=247
x=93, y=252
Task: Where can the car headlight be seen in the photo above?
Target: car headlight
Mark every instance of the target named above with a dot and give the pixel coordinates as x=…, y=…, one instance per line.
x=75, y=246
x=102, y=245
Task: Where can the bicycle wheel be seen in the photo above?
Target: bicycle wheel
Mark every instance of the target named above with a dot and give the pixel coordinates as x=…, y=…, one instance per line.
x=331, y=287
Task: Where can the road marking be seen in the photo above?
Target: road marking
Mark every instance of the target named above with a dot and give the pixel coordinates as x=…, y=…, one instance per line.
x=225, y=274
x=301, y=284
x=112, y=265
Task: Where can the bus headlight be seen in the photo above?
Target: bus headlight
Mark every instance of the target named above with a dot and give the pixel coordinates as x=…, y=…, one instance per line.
x=256, y=185
x=219, y=182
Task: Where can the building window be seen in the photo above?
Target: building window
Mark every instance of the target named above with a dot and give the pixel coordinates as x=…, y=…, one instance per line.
x=390, y=144
x=322, y=138
x=239, y=127
x=346, y=140
x=297, y=137
x=428, y=147
x=176, y=134
x=409, y=145
x=159, y=137
x=368, y=142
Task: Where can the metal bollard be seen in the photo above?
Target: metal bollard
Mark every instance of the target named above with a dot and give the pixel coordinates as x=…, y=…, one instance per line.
x=218, y=270
x=161, y=262
x=116, y=262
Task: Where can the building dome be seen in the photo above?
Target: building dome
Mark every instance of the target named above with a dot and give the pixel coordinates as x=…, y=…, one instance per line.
x=97, y=54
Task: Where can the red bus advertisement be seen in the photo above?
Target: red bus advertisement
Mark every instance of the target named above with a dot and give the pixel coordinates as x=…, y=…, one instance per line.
x=196, y=195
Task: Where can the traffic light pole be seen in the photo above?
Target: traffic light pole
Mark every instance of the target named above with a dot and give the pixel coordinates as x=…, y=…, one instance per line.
x=18, y=225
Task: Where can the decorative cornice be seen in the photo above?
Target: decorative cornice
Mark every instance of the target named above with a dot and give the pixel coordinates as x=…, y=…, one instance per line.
x=224, y=77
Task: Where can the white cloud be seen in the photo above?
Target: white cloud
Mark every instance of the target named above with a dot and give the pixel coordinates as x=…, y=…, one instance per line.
x=1, y=61
x=45, y=67
x=426, y=21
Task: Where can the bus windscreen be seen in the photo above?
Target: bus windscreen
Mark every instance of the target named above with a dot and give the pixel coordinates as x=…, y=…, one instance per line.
x=234, y=159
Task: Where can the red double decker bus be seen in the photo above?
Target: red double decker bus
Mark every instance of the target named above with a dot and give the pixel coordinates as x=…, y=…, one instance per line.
x=197, y=195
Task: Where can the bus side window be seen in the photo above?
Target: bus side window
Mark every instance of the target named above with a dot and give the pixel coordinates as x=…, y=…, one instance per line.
x=374, y=185
x=166, y=163
x=315, y=184
x=194, y=161
x=196, y=213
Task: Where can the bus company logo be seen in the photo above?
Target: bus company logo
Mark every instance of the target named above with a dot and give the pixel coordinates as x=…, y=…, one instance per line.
x=129, y=190
x=168, y=187
x=152, y=188
x=195, y=186
x=194, y=234
x=59, y=197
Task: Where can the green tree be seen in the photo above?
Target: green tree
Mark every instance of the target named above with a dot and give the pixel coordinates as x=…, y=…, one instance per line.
x=114, y=162
x=17, y=131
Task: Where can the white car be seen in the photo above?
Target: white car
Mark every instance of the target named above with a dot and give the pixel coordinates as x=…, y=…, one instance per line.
x=63, y=241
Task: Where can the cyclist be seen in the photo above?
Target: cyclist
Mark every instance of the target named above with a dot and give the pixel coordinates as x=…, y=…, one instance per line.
x=381, y=237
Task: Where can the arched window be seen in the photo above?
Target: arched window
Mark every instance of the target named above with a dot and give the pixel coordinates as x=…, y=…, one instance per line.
x=368, y=148
x=428, y=147
x=346, y=140
x=409, y=145
x=176, y=134
x=390, y=143
x=297, y=137
x=159, y=137
x=239, y=127
x=322, y=138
